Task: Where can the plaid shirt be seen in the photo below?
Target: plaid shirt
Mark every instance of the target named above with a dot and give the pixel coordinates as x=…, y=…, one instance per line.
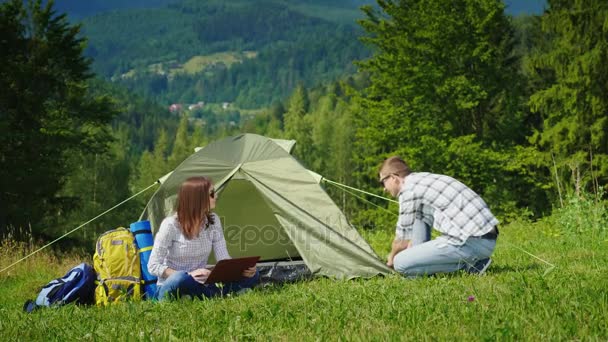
x=172, y=249
x=445, y=203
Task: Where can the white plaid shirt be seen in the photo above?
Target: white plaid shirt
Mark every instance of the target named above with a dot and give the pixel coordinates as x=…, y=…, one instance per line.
x=172, y=249
x=444, y=203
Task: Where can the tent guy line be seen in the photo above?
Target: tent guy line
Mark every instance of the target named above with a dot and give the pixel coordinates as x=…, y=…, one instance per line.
x=77, y=228
x=359, y=190
x=344, y=188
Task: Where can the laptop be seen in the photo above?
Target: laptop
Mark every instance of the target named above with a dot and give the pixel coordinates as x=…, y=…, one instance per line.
x=229, y=270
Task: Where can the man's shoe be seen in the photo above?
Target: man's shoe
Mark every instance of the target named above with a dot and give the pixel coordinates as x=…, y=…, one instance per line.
x=480, y=266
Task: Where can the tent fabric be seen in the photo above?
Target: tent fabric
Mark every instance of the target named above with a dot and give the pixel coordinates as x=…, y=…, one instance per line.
x=270, y=205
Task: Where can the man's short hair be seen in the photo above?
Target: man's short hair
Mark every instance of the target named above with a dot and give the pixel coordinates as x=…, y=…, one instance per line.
x=395, y=166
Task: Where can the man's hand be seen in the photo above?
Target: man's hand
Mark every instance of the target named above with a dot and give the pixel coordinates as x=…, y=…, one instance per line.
x=250, y=272
x=397, y=246
x=389, y=260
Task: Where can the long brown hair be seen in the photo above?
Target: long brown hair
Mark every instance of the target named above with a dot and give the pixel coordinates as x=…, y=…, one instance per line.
x=194, y=205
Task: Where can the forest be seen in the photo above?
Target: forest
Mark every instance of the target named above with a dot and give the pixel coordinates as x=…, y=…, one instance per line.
x=513, y=106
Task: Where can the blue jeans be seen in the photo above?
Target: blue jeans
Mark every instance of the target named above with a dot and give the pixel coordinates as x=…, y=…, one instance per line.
x=181, y=283
x=439, y=256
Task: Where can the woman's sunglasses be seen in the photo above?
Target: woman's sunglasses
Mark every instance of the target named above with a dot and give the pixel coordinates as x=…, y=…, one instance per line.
x=212, y=193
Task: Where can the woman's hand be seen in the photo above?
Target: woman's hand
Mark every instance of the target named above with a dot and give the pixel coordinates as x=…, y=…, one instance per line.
x=200, y=274
x=250, y=272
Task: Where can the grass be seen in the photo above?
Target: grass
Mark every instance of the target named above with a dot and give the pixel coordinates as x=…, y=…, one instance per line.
x=196, y=64
x=200, y=63
x=520, y=297
x=339, y=15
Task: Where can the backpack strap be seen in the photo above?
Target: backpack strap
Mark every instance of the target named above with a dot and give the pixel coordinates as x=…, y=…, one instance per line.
x=30, y=306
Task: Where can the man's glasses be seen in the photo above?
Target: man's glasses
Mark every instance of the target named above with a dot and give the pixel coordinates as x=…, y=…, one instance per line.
x=383, y=179
x=212, y=193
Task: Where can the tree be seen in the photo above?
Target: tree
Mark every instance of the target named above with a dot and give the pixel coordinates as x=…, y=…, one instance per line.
x=298, y=125
x=572, y=94
x=446, y=65
x=46, y=110
x=323, y=126
x=443, y=80
x=98, y=181
x=152, y=165
x=181, y=146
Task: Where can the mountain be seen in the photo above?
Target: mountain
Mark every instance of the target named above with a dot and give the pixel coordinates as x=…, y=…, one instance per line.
x=249, y=52
x=78, y=9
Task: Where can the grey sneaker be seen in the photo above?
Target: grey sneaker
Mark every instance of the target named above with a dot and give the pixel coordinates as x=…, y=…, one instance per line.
x=480, y=266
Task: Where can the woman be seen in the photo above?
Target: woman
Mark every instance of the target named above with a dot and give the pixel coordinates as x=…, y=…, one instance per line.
x=183, y=244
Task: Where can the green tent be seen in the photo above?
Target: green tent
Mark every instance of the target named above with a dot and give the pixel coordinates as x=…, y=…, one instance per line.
x=270, y=205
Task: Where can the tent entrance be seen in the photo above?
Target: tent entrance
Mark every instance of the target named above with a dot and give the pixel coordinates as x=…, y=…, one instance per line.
x=250, y=227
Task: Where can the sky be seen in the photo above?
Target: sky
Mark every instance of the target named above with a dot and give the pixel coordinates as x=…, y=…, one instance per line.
x=516, y=7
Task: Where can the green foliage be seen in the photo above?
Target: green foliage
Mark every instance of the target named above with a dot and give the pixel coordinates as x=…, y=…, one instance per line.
x=581, y=215
x=181, y=145
x=97, y=182
x=448, y=66
x=446, y=94
x=47, y=111
x=298, y=125
x=570, y=69
x=151, y=167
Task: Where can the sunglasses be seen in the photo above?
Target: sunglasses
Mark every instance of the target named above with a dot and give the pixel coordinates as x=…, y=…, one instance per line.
x=212, y=193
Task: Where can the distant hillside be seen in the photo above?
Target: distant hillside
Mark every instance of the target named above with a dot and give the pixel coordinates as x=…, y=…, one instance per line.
x=251, y=52
x=80, y=9
x=248, y=52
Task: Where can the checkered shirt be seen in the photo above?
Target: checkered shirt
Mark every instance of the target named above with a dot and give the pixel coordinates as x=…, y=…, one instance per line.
x=172, y=249
x=444, y=203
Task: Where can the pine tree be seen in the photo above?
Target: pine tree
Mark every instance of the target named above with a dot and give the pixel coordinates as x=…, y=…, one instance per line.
x=152, y=165
x=181, y=146
x=298, y=125
x=198, y=138
x=572, y=96
x=323, y=125
x=444, y=84
x=46, y=110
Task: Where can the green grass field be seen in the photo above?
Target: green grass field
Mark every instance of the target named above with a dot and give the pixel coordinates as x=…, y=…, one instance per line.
x=196, y=64
x=519, y=298
x=200, y=63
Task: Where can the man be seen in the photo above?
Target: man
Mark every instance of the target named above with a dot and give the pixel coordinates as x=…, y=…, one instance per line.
x=468, y=228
